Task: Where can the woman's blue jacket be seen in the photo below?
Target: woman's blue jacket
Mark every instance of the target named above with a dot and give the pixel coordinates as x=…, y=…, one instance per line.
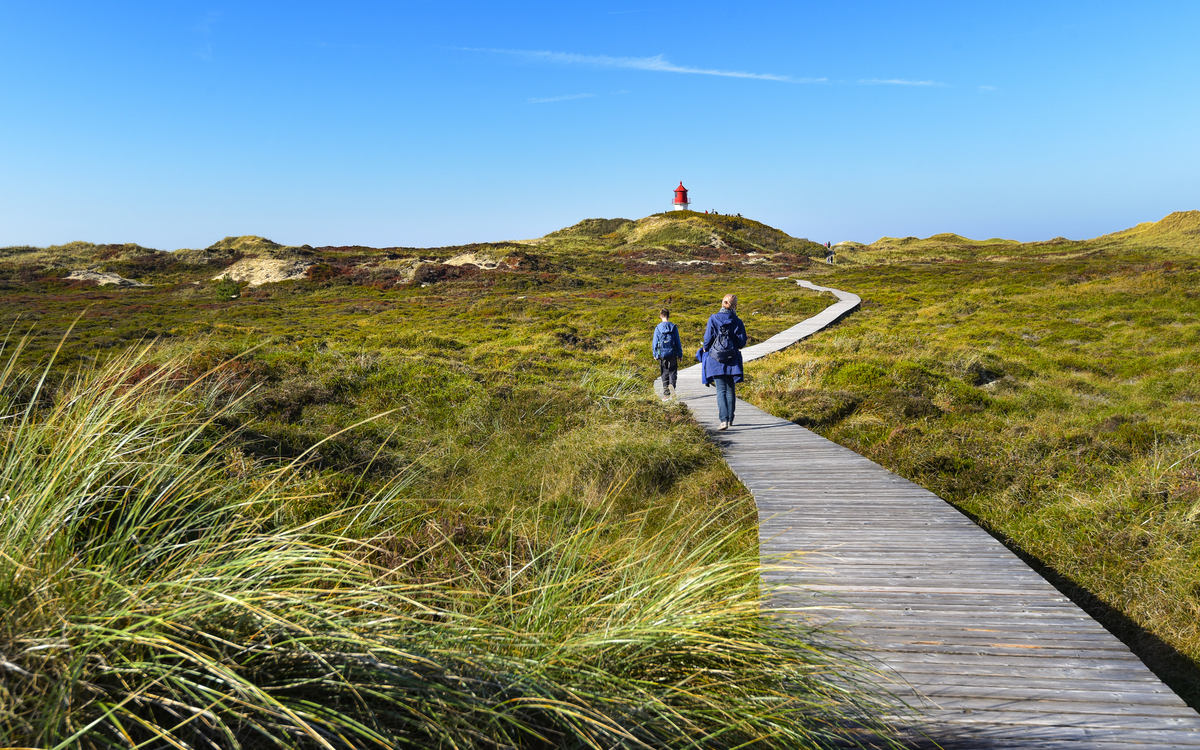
x=712, y=367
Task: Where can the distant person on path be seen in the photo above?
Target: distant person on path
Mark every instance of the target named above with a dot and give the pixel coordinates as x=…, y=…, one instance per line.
x=828, y=253
x=724, y=337
x=667, y=349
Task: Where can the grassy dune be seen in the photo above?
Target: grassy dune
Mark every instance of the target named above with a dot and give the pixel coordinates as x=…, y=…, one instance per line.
x=1176, y=236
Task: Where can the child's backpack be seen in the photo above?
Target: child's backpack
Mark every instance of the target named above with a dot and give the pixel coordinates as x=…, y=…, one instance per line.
x=664, y=343
x=723, y=348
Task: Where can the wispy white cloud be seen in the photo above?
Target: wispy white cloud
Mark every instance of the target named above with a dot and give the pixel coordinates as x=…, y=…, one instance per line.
x=897, y=82
x=656, y=64
x=987, y=88
x=660, y=64
x=205, y=25
x=568, y=97
x=204, y=29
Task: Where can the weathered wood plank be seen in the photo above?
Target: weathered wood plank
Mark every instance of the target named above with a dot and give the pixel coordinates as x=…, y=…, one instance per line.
x=967, y=685
x=1051, y=697
x=1038, y=718
x=966, y=635
x=1120, y=712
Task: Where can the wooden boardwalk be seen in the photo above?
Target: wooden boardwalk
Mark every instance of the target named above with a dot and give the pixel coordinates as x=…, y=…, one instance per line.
x=988, y=652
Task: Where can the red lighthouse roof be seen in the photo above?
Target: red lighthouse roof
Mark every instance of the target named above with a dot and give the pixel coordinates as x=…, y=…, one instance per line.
x=681, y=193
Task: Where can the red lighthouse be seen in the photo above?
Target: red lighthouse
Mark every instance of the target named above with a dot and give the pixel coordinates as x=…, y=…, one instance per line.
x=681, y=201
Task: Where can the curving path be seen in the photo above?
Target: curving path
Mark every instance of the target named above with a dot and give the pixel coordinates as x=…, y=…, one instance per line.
x=990, y=654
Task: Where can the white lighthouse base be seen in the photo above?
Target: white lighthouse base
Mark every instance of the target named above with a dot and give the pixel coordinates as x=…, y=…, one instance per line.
x=681, y=206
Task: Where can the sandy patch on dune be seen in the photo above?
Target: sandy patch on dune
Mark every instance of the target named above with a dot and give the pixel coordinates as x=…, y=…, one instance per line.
x=256, y=271
x=475, y=259
x=102, y=278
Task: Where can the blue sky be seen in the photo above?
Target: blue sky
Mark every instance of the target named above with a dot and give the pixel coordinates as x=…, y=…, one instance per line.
x=431, y=123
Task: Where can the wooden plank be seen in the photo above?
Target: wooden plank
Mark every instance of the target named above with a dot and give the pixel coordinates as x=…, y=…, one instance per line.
x=992, y=636
x=950, y=642
x=1052, y=695
x=978, y=685
x=1092, y=721
x=951, y=639
x=911, y=666
x=1118, y=711
x=987, y=737
x=942, y=616
x=825, y=563
x=863, y=587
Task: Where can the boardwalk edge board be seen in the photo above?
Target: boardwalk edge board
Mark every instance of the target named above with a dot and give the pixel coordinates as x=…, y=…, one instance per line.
x=987, y=651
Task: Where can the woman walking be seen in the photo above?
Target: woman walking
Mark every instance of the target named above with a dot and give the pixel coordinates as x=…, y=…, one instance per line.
x=724, y=337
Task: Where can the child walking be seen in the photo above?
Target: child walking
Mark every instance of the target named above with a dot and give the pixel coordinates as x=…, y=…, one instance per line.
x=667, y=349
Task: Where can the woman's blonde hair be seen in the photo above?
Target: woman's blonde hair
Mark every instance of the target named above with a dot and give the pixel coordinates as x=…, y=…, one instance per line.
x=730, y=301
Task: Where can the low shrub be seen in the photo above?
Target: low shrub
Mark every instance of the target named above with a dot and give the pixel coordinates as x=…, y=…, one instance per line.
x=226, y=288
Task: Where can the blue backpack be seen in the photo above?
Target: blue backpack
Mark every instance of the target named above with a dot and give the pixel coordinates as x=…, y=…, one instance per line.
x=723, y=349
x=664, y=344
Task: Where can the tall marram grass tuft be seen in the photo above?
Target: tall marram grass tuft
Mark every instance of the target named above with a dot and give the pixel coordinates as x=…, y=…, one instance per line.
x=149, y=597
